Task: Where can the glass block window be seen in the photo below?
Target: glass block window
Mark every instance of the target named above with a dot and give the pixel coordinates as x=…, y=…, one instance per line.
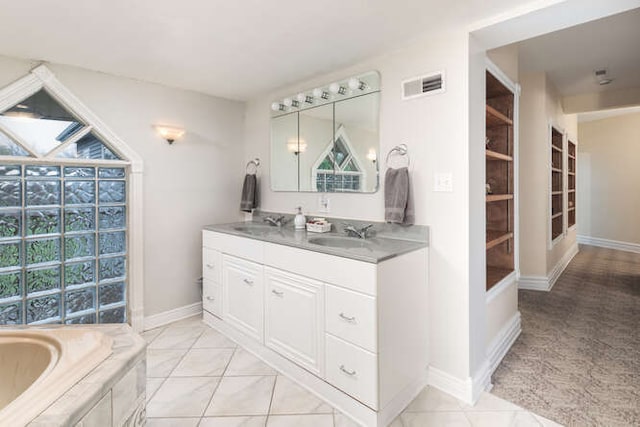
x=337, y=171
x=63, y=243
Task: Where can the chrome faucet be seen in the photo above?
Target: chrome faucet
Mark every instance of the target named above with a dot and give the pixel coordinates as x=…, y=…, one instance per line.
x=276, y=222
x=361, y=233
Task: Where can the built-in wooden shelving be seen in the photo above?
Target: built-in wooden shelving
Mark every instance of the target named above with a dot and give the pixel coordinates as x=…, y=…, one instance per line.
x=571, y=183
x=499, y=178
x=557, y=183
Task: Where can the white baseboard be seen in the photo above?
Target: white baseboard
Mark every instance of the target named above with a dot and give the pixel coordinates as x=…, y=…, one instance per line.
x=542, y=283
x=610, y=244
x=562, y=264
x=467, y=390
x=503, y=342
x=166, y=317
x=533, y=283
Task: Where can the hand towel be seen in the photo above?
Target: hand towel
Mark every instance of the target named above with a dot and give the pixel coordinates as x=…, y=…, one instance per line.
x=398, y=197
x=249, y=199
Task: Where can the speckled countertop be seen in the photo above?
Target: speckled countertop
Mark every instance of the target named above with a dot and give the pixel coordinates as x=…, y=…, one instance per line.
x=385, y=240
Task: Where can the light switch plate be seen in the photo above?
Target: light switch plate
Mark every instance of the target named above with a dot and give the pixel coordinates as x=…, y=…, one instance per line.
x=443, y=181
x=323, y=204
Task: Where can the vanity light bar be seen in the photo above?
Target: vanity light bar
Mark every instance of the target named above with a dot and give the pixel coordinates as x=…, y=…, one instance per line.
x=347, y=88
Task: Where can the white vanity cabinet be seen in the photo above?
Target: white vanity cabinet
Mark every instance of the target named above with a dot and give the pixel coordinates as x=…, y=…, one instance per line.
x=243, y=295
x=294, y=318
x=354, y=332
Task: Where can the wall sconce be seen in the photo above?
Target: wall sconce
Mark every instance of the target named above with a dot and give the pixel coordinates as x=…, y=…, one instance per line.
x=170, y=133
x=296, y=146
x=372, y=155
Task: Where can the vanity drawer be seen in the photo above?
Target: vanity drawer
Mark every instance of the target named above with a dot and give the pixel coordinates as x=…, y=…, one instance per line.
x=241, y=247
x=211, y=264
x=352, y=317
x=352, y=370
x=212, y=297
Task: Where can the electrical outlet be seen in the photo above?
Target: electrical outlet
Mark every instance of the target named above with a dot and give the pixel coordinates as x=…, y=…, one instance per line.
x=323, y=203
x=443, y=182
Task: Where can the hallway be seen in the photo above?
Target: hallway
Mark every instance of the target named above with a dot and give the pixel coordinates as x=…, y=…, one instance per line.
x=577, y=360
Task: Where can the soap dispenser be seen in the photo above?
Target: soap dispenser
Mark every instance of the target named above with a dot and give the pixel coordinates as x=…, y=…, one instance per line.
x=299, y=221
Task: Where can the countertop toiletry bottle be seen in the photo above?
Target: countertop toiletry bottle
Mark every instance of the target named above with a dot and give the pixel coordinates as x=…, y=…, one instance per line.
x=299, y=221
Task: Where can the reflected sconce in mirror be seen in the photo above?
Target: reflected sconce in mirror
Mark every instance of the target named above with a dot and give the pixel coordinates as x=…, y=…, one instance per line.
x=372, y=155
x=170, y=133
x=296, y=147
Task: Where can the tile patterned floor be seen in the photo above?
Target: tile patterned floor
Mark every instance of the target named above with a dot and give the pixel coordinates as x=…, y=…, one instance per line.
x=577, y=360
x=198, y=377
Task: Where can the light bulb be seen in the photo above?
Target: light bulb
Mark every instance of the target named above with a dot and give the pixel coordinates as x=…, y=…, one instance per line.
x=287, y=102
x=276, y=106
x=335, y=88
x=355, y=83
x=301, y=97
x=320, y=93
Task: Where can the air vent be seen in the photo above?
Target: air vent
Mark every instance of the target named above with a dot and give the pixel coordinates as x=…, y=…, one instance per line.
x=429, y=84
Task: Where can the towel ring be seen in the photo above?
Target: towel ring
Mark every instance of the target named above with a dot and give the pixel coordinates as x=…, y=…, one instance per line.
x=402, y=150
x=255, y=163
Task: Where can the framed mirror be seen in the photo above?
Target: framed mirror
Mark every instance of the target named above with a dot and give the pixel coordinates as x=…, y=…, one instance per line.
x=327, y=140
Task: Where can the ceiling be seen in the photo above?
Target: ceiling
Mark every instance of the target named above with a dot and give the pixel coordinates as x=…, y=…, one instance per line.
x=571, y=56
x=234, y=49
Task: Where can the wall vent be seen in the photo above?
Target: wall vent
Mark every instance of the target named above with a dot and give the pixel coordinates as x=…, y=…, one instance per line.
x=429, y=84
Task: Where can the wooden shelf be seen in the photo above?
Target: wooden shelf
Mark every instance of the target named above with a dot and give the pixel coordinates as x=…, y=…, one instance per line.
x=556, y=193
x=556, y=170
x=498, y=197
x=553, y=147
x=496, y=118
x=494, y=155
x=571, y=209
x=554, y=216
x=495, y=274
x=571, y=157
x=572, y=191
x=572, y=173
x=495, y=237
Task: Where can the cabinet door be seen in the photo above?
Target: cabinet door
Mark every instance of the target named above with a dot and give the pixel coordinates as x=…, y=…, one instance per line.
x=212, y=297
x=294, y=318
x=243, y=296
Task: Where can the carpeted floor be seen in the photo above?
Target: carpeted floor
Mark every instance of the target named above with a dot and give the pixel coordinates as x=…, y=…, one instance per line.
x=577, y=360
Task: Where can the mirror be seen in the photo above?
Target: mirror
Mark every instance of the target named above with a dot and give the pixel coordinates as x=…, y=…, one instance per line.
x=328, y=142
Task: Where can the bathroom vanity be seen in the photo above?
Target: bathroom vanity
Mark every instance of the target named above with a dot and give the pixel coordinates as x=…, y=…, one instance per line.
x=344, y=317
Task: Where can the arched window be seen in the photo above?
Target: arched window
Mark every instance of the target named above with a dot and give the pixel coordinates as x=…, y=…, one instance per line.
x=65, y=183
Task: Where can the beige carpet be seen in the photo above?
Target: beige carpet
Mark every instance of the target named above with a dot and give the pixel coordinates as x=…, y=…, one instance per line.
x=577, y=360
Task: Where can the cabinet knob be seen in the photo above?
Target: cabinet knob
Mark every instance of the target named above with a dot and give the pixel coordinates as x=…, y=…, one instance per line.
x=347, y=371
x=277, y=293
x=211, y=298
x=248, y=282
x=347, y=318
x=210, y=266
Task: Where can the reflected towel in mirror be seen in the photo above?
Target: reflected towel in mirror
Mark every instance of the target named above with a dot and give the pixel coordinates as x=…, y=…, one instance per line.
x=398, y=197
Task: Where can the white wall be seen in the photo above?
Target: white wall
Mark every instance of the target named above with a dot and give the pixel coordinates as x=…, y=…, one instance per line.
x=434, y=128
x=612, y=203
x=540, y=105
x=194, y=182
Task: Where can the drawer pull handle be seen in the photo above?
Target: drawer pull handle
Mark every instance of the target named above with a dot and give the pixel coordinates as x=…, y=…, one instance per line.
x=346, y=371
x=277, y=293
x=248, y=282
x=347, y=318
x=210, y=266
x=211, y=298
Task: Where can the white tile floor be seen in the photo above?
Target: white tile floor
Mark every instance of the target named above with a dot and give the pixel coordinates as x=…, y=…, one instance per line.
x=198, y=377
